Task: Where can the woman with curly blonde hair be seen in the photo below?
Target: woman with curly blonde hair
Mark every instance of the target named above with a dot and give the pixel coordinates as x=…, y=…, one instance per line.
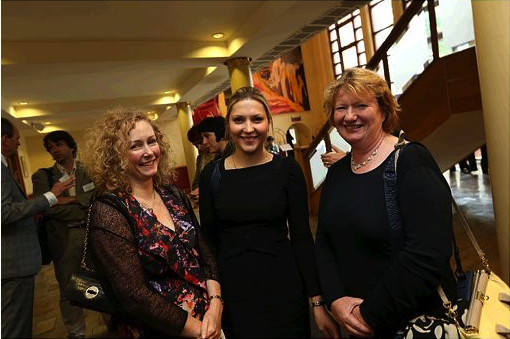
x=144, y=235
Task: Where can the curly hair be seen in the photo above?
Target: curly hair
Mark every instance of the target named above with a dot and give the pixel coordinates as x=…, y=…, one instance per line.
x=107, y=146
x=360, y=82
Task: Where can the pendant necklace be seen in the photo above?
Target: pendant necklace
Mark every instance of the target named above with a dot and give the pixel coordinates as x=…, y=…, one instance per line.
x=356, y=166
x=150, y=209
x=263, y=161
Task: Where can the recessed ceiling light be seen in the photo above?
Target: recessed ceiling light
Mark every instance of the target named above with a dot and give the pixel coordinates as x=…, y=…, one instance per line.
x=218, y=35
x=23, y=102
x=167, y=92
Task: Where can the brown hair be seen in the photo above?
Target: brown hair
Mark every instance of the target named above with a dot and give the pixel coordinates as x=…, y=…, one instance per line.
x=361, y=81
x=107, y=146
x=245, y=93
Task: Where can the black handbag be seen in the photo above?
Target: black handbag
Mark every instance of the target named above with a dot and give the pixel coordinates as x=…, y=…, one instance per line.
x=85, y=288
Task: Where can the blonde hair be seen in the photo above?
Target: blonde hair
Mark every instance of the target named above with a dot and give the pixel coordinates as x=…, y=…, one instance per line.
x=363, y=82
x=245, y=93
x=107, y=146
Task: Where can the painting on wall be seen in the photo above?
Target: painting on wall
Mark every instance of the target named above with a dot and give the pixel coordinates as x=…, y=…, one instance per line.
x=207, y=109
x=283, y=83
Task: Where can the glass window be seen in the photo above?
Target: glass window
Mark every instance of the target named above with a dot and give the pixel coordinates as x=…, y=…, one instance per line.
x=334, y=47
x=350, y=57
x=381, y=16
x=336, y=58
x=347, y=45
x=346, y=33
x=332, y=34
x=380, y=36
x=451, y=15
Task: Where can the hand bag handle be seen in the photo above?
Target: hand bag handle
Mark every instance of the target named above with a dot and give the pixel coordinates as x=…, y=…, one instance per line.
x=113, y=201
x=396, y=227
x=83, y=264
x=397, y=235
x=471, y=236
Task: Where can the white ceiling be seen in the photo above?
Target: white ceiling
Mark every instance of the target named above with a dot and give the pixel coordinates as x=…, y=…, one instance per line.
x=72, y=60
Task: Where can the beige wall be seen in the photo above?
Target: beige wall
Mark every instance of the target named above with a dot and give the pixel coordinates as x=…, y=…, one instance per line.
x=491, y=26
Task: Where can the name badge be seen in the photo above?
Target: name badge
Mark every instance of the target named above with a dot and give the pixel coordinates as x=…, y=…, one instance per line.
x=88, y=187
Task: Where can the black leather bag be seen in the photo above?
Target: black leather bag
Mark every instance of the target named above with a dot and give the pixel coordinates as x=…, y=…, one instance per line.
x=85, y=289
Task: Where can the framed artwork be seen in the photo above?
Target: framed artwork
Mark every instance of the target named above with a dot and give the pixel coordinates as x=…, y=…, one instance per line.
x=283, y=83
x=207, y=109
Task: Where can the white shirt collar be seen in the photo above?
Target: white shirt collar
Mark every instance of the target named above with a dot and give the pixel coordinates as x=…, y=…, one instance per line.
x=4, y=161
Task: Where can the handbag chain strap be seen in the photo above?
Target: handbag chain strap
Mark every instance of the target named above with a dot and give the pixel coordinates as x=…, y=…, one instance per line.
x=83, y=263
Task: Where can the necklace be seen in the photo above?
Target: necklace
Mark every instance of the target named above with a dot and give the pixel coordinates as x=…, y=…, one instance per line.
x=356, y=166
x=150, y=209
x=262, y=162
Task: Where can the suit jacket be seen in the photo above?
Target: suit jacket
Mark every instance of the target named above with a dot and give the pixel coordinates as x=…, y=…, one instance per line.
x=21, y=254
x=61, y=215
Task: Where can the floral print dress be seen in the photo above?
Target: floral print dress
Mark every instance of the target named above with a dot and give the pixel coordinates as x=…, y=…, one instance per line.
x=172, y=261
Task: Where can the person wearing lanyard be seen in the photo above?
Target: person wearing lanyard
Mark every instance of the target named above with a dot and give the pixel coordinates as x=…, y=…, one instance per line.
x=21, y=255
x=66, y=228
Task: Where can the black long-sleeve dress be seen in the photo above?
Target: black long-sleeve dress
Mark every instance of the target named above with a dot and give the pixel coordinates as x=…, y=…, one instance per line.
x=353, y=247
x=266, y=273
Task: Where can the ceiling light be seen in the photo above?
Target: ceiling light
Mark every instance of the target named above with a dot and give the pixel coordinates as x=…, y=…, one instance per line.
x=23, y=102
x=218, y=35
x=167, y=92
x=39, y=127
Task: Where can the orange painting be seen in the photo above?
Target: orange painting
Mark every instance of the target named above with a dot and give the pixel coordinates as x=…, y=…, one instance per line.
x=283, y=83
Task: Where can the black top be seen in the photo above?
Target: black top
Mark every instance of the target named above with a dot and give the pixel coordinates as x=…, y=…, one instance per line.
x=257, y=218
x=353, y=247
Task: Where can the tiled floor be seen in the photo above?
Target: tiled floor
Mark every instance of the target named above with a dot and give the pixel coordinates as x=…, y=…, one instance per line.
x=471, y=191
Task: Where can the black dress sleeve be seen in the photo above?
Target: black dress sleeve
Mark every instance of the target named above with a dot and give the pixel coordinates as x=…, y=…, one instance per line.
x=328, y=271
x=208, y=223
x=409, y=287
x=299, y=225
x=116, y=255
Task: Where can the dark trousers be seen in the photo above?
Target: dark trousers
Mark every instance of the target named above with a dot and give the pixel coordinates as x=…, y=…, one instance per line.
x=17, y=307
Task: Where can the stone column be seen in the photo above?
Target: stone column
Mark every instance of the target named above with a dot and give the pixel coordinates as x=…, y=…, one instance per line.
x=190, y=152
x=240, y=72
x=490, y=19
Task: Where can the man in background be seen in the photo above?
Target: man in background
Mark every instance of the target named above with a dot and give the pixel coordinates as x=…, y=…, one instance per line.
x=21, y=254
x=67, y=220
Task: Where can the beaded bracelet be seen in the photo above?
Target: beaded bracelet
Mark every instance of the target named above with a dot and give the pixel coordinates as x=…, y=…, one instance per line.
x=217, y=296
x=317, y=303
